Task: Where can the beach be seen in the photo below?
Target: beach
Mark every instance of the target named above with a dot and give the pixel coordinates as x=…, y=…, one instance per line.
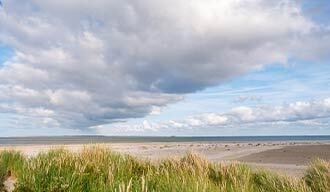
x=286, y=157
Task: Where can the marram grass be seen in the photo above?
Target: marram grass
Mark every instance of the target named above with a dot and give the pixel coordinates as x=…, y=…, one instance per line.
x=98, y=169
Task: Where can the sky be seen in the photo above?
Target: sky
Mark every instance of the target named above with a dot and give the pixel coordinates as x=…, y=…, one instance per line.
x=164, y=68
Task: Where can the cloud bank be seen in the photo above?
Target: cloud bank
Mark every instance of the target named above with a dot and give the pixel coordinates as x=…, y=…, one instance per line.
x=307, y=112
x=80, y=63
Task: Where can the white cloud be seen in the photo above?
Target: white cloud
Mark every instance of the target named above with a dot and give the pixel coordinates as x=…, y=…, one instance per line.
x=155, y=110
x=242, y=99
x=92, y=63
x=306, y=113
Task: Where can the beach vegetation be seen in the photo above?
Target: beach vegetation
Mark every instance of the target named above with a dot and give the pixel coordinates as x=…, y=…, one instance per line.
x=99, y=169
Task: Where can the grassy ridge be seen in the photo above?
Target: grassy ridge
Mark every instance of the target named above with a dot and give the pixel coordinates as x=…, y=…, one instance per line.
x=99, y=169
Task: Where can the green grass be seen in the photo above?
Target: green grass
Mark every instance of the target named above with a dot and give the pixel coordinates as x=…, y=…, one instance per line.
x=99, y=169
x=318, y=176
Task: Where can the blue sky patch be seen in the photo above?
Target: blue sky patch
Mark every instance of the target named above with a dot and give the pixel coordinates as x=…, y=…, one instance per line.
x=5, y=53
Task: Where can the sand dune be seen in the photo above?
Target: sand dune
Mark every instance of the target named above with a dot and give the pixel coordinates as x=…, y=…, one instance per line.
x=289, y=158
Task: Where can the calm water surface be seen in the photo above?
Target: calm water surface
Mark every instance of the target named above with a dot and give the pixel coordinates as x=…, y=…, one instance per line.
x=127, y=139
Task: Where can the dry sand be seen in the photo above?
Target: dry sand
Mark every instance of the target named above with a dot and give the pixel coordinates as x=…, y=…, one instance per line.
x=289, y=158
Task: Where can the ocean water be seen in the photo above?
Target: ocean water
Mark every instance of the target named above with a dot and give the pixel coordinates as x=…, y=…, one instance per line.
x=133, y=139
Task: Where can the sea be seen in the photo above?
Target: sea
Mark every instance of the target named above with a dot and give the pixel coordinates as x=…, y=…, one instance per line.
x=89, y=139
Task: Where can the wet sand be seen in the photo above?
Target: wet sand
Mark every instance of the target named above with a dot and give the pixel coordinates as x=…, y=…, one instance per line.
x=298, y=155
x=290, y=158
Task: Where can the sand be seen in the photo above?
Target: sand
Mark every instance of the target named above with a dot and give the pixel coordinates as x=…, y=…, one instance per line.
x=298, y=155
x=289, y=158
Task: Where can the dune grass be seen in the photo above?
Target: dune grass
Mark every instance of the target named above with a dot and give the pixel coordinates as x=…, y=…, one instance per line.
x=317, y=176
x=99, y=169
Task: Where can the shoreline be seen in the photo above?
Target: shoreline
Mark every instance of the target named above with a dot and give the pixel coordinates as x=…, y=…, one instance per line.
x=88, y=139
